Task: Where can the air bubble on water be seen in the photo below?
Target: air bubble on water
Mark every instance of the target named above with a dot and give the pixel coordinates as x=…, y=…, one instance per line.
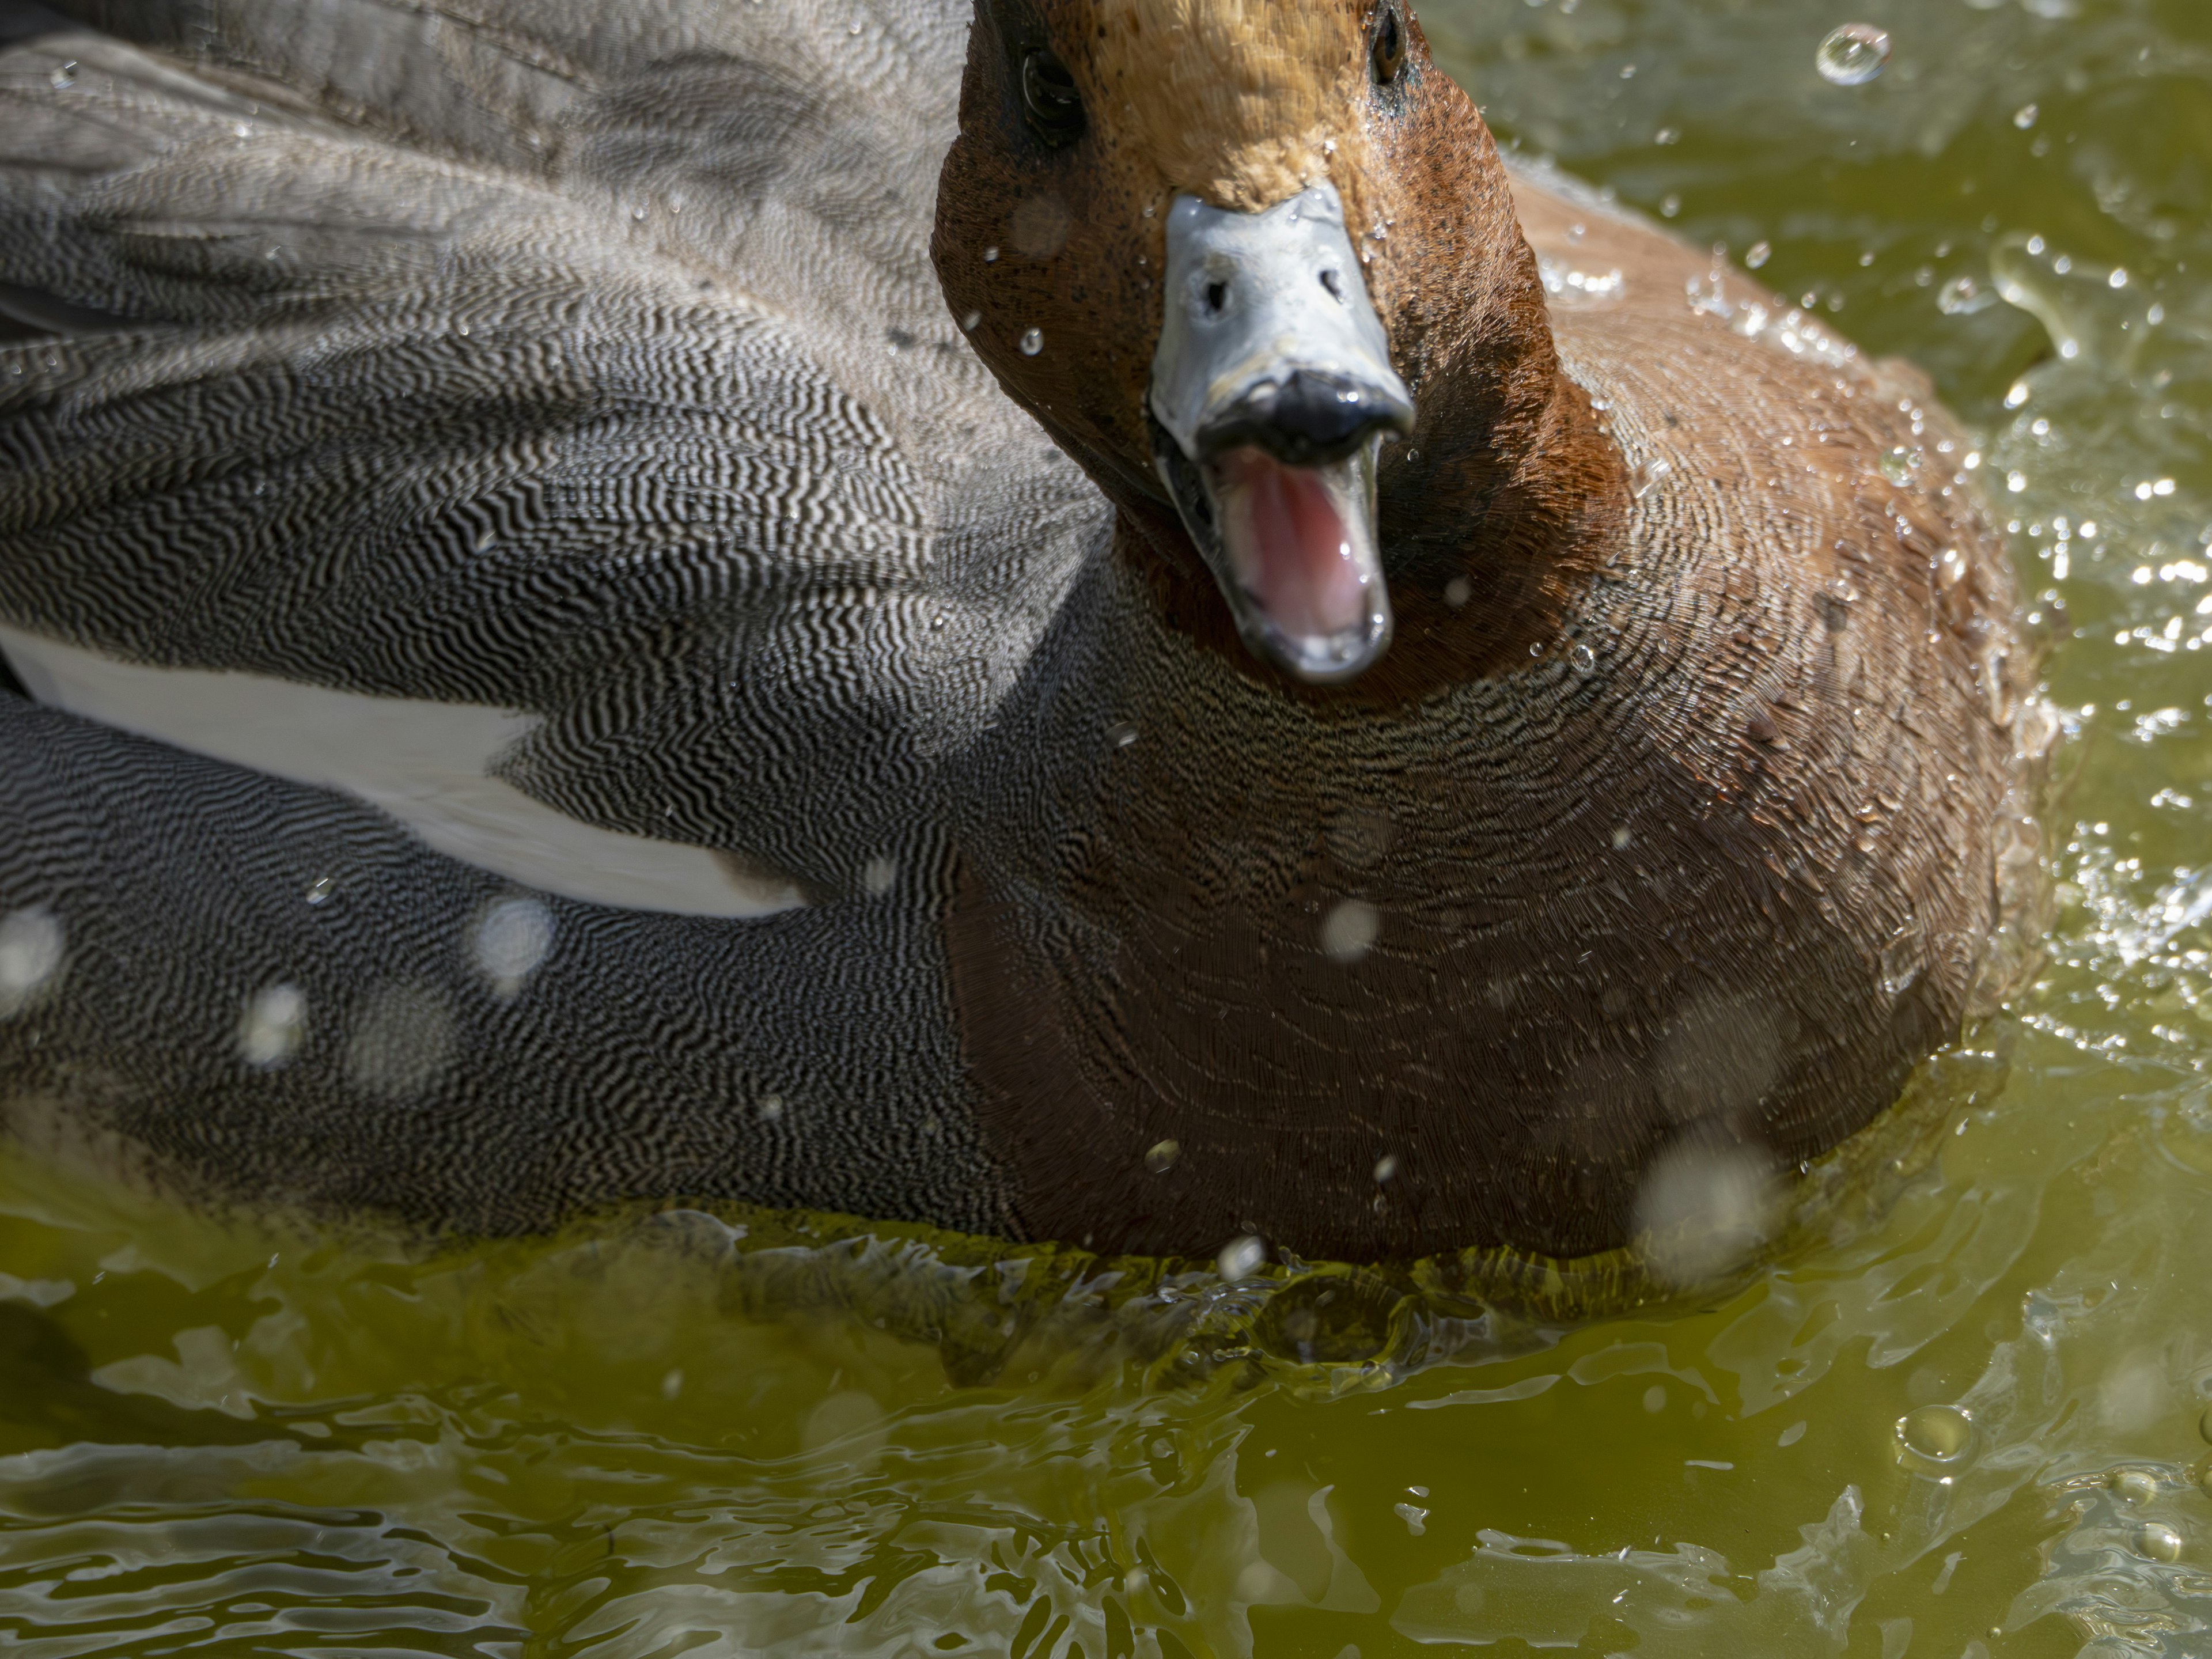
x=1032, y=341
x=512, y=938
x=1163, y=1156
x=1241, y=1258
x=1120, y=735
x=1937, y=1437
x=2135, y=1486
x=275, y=1023
x=320, y=888
x=1671, y=205
x=63, y=76
x=2024, y=117
x=31, y=948
x=1852, y=54
x=672, y=1384
x=2160, y=1541
x=1349, y=931
x=1759, y=254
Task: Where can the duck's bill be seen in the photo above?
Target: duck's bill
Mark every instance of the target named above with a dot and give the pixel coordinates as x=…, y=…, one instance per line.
x=1293, y=549
x=1271, y=391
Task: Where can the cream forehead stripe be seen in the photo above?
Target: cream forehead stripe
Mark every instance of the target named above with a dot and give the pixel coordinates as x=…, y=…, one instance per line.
x=1236, y=100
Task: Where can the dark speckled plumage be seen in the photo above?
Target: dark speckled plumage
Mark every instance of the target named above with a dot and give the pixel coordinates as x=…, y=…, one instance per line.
x=589, y=362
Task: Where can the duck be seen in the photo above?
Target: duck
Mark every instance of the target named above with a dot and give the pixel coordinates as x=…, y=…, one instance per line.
x=1086, y=621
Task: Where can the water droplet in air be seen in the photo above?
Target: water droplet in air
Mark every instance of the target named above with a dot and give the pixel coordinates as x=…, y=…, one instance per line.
x=30, y=955
x=512, y=938
x=878, y=876
x=1582, y=658
x=1032, y=341
x=403, y=1037
x=1704, y=1210
x=971, y=322
x=1163, y=1156
x=276, y=1022
x=771, y=1108
x=1348, y=931
x=1937, y=1435
x=1962, y=296
x=1121, y=736
x=1385, y=1168
x=1457, y=592
x=990, y=256
x=1852, y=54
x=63, y=76
x=1671, y=206
x=2024, y=117
x=1759, y=253
x=320, y=888
x=1900, y=464
x=1240, y=1258
x=2161, y=1542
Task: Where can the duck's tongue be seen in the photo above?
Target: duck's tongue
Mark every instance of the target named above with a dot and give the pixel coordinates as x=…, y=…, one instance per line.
x=1293, y=542
x=1299, y=545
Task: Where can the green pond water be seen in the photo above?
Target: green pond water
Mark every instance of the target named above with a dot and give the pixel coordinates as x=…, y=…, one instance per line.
x=1958, y=1415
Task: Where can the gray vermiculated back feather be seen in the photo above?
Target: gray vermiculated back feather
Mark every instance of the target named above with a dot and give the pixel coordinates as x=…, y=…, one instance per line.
x=579, y=360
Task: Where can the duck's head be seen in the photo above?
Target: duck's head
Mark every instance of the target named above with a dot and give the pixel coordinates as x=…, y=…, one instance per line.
x=1241, y=257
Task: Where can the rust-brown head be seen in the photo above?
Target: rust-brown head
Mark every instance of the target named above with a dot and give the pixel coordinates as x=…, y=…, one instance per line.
x=1230, y=253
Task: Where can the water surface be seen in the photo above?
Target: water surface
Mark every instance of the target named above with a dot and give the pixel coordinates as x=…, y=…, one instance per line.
x=731, y=1434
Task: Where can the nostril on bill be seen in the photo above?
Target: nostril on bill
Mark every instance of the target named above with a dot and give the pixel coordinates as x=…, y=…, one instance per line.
x=1216, y=297
x=1334, y=284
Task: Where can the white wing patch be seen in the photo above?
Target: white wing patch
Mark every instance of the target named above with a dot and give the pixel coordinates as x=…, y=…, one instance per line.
x=425, y=763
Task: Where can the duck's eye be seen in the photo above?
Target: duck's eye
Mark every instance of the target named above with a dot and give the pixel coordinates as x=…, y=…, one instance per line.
x=1388, y=55
x=1048, y=95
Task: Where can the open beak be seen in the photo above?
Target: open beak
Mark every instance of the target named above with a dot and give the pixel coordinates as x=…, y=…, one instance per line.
x=1272, y=388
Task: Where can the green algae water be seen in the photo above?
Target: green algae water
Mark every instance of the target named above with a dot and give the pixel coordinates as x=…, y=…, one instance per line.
x=1963, y=1413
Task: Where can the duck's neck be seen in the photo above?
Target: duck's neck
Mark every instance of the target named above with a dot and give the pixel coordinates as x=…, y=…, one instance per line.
x=1495, y=513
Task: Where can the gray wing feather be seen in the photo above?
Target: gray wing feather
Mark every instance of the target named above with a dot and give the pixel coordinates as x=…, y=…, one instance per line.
x=573, y=363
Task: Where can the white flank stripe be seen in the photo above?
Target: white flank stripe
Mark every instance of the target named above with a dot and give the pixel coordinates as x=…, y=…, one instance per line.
x=425, y=763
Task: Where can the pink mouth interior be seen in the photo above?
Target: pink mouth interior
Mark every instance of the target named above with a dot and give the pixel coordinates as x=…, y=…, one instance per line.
x=1292, y=547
